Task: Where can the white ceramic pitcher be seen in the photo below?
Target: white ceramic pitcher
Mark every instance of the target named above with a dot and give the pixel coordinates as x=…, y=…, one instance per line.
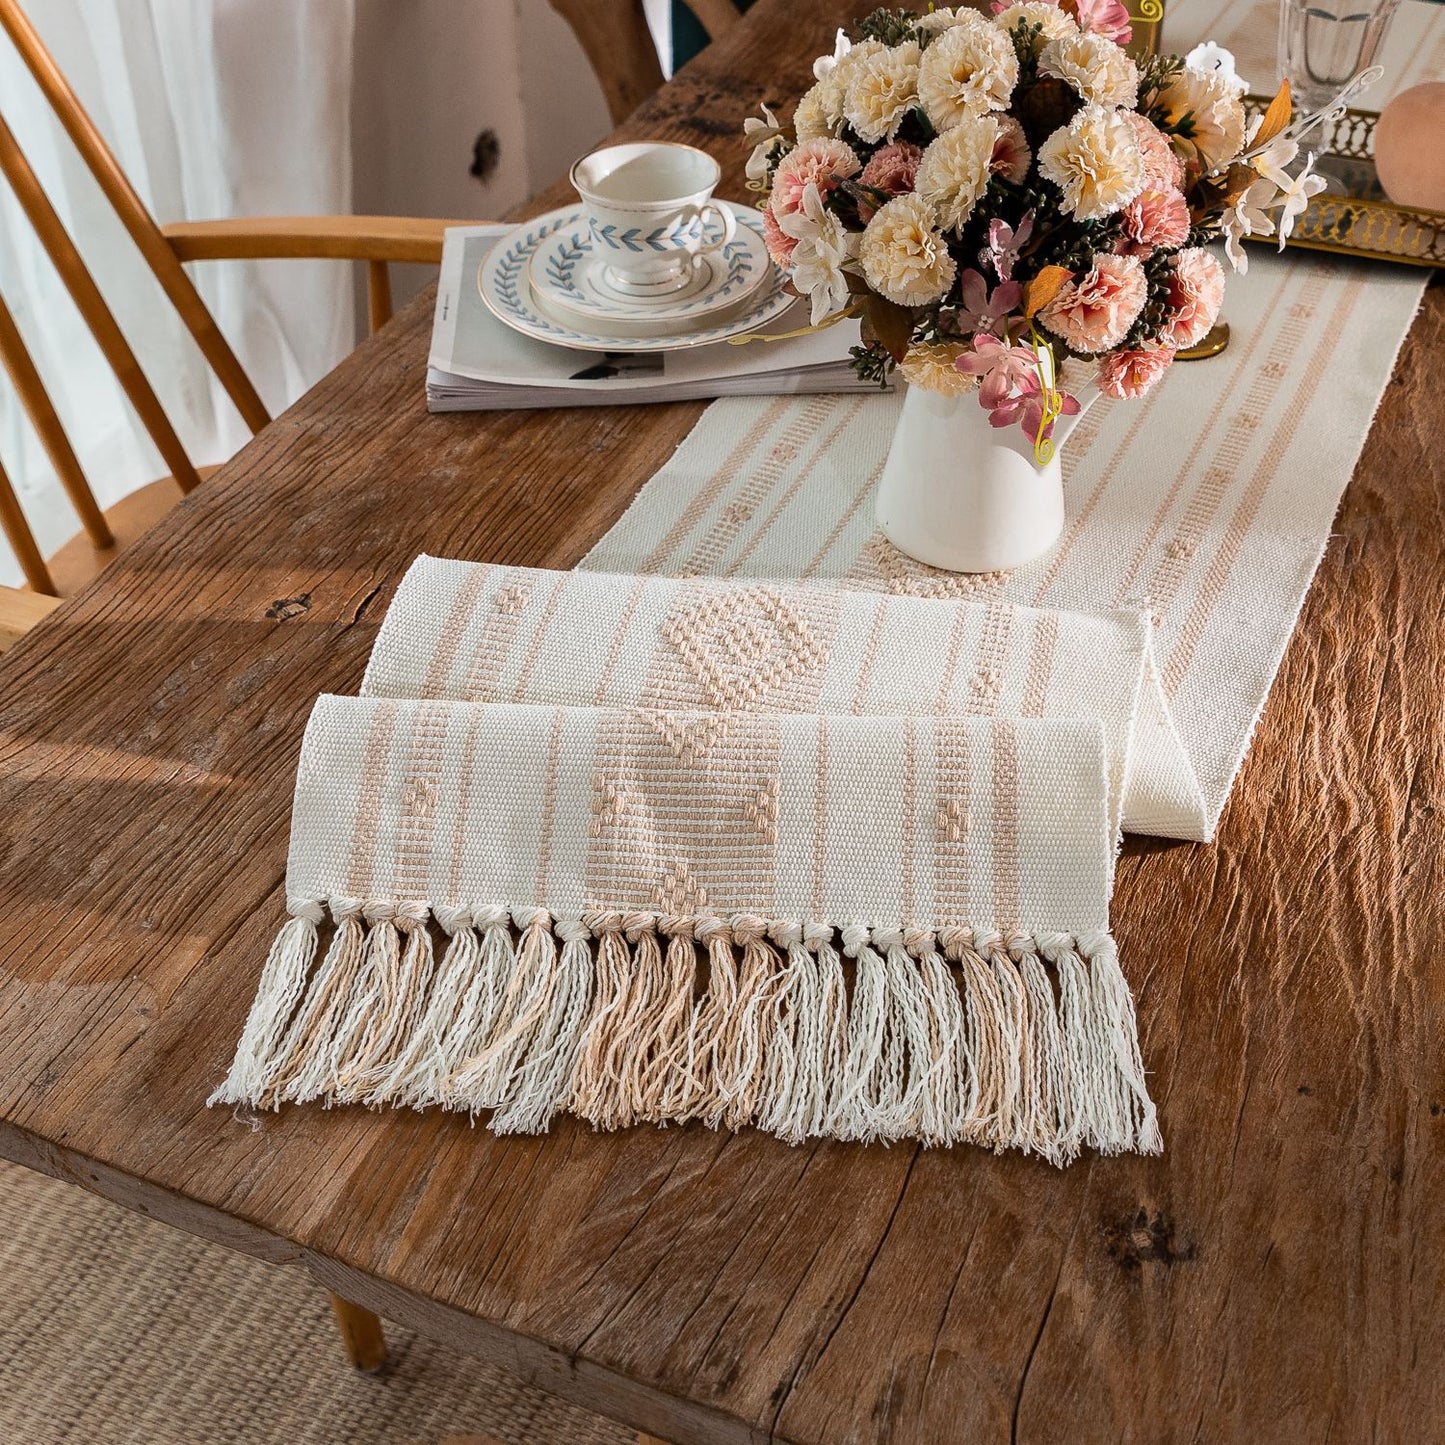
x=959, y=494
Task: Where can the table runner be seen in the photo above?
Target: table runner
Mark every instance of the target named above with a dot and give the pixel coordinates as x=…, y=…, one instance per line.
x=1207, y=505
x=578, y=859
x=474, y=632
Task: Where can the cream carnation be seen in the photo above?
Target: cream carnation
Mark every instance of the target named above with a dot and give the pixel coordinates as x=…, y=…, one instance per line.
x=932, y=366
x=1196, y=292
x=822, y=162
x=1095, y=67
x=881, y=89
x=817, y=116
x=904, y=259
x=1052, y=23
x=946, y=17
x=1095, y=312
x=1095, y=161
x=968, y=70
x=1203, y=116
x=955, y=169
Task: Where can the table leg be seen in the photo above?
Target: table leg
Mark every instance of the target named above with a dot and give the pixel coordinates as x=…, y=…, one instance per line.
x=361, y=1334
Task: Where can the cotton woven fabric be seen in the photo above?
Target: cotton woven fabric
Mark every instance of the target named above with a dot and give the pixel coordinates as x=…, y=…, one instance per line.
x=584, y=864
x=480, y=633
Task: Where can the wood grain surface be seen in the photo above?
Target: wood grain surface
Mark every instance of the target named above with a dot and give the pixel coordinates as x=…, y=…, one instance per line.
x=1278, y=1275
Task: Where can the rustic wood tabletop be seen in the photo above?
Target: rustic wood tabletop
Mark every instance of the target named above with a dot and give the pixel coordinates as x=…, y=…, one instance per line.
x=1278, y=1275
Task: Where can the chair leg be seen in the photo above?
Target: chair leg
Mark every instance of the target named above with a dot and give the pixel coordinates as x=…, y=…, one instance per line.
x=361, y=1334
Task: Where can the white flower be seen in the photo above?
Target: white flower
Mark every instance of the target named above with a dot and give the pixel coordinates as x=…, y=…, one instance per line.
x=1214, y=59
x=904, y=259
x=1095, y=161
x=1295, y=194
x=825, y=64
x=882, y=89
x=1095, y=67
x=1247, y=217
x=1203, y=116
x=1052, y=23
x=955, y=169
x=968, y=70
x=824, y=245
x=761, y=133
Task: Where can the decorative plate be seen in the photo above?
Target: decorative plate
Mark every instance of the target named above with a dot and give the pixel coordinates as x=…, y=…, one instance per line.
x=502, y=281
x=572, y=285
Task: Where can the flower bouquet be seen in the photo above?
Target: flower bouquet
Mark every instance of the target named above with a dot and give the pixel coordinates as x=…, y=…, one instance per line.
x=997, y=195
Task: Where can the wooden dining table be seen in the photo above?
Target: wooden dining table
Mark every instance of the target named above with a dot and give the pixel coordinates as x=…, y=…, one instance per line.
x=1277, y=1275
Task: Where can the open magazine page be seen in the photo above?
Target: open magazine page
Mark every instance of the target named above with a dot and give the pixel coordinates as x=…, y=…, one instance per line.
x=478, y=362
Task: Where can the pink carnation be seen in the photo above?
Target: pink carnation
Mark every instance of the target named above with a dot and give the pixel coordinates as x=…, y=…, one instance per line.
x=824, y=162
x=780, y=245
x=1161, y=165
x=1105, y=17
x=1129, y=374
x=1095, y=312
x=891, y=170
x=1011, y=155
x=1157, y=218
x=1196, y=292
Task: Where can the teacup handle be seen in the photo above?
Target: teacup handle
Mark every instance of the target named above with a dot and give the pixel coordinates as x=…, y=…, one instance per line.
x=729, y=226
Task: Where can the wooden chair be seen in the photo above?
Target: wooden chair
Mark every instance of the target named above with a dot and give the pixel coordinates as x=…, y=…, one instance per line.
x=377, y=240
x=614, y=36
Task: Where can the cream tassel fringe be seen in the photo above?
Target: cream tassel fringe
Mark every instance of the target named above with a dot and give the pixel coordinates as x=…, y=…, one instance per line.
x=1025, y=1041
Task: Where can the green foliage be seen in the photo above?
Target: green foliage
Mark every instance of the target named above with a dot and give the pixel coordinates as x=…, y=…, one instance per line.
x=891, y=26
x=872, y=362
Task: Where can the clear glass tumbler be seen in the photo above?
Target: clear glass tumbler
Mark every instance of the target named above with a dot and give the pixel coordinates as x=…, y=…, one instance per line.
x=1324, y=43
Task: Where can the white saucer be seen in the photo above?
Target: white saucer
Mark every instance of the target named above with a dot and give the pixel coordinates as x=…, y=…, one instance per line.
x=502, y=281
x=574, y=286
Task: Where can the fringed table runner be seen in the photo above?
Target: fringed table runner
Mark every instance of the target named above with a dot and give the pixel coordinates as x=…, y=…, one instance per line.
x=678, y=837
x=588, y=874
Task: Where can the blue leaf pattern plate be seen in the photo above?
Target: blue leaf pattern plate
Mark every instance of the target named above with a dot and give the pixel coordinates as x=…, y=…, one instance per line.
x=738, y=290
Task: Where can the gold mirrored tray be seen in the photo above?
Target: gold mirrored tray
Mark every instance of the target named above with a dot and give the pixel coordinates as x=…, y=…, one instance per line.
x=1355, y=217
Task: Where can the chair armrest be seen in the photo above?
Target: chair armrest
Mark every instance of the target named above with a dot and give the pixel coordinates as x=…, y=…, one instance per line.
x=341, y=238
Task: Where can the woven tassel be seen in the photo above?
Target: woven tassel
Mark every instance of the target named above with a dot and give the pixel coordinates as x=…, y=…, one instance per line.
x=308, y=1056
x=403, y=1002
x=283, y=980
x=467, y=1034
x=418, y=1074
x=855, y=1107
x=909, y=1100
x=1047, y=1127
x=831, y=1055
x=543, y=1077
x=665, y=1080
x=596, y=1090
x=944, y=1098
x=793, y=1075
x=1114, y=1010
x=709, y=1031
x=746, y=1043
x=485, y=1080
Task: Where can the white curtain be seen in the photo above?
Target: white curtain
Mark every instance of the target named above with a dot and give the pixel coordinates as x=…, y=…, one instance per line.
x=214, y=108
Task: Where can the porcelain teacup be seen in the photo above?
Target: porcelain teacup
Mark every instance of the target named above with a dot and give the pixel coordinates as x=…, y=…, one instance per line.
x=650, y=209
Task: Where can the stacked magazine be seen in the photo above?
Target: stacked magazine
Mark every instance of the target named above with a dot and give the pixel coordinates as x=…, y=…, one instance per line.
x=478, y=363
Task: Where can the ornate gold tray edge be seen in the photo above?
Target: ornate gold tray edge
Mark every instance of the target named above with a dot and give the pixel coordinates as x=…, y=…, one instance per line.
x=1360, y=225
